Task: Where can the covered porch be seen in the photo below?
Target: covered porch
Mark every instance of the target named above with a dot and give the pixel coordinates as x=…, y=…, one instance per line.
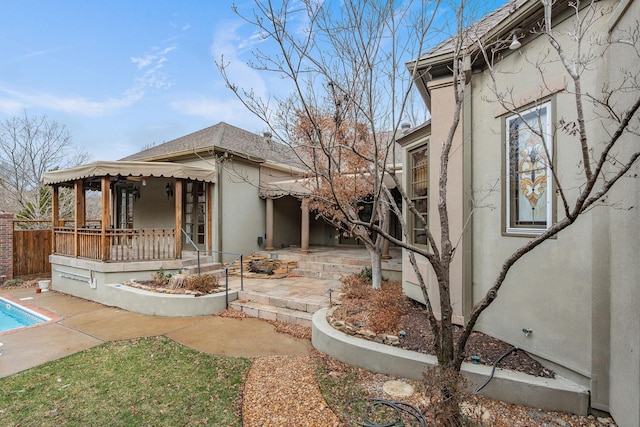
x=130, y=230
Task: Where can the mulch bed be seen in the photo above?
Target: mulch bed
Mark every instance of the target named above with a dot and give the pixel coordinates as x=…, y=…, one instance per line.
x=489, y=349
x=418, y=337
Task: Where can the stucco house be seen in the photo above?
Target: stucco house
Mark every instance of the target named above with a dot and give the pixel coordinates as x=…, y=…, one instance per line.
x=572, y=302
x=214, y=195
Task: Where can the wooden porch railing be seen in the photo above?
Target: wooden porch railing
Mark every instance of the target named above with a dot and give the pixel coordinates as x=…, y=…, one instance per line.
x=124, y=244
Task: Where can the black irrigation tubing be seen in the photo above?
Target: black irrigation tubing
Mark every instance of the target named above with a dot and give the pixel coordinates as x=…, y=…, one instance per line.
x=401, y=409
x=493, y=370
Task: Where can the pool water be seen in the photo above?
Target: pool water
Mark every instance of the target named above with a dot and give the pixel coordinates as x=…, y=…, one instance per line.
x=14, y=316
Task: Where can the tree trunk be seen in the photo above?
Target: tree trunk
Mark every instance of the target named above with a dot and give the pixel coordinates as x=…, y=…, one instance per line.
x=376, y=268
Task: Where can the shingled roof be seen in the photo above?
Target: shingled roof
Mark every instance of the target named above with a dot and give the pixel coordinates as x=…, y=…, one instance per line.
x=222, y=137
x=479, y=28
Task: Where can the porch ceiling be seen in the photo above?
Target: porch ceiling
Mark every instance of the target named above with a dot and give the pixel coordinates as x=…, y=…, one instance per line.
x=132, y=169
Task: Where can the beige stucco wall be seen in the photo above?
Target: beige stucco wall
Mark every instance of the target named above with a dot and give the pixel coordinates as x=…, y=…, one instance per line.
x=578, y=292
x=243, y=211
x=567, y=290
x=154, y=209
x=550, y=290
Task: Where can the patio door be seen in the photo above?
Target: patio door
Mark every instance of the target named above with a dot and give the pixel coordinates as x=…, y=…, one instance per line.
x=195, y=214
x=124, y=206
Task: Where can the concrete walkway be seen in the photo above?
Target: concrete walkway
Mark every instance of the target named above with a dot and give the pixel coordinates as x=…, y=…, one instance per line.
x=80, y=324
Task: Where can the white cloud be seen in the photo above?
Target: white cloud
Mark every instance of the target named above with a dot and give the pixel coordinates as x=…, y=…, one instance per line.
x=73, y=105
x=227, y=44
x=10, y=106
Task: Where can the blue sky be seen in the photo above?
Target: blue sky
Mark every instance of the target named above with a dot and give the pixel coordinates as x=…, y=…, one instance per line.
x=123, y=74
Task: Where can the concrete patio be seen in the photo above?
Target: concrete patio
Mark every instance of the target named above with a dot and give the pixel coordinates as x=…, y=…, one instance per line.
x=83, y=324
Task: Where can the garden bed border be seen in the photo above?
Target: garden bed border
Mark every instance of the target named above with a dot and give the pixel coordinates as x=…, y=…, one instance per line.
x=559, y=394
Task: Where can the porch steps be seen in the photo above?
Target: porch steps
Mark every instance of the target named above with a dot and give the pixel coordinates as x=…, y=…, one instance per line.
x=207, y=267
x=287, y=310
x=190, y=264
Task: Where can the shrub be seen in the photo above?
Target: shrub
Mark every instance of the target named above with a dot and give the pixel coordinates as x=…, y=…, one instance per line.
x=13, y=282
x=389, y=305
x=205, y=283
x=448, y=389
x=354, y=286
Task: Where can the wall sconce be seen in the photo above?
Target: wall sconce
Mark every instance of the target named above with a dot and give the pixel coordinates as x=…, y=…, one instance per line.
x=135, y=192
x=169, y=190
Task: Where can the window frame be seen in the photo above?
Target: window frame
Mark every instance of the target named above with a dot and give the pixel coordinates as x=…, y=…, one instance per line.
x=422, y=198
x=512, y=226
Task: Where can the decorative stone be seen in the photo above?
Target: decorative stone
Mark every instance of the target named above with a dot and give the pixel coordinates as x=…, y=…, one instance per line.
x=366, y=333
x=393, y=340
x=397, y=388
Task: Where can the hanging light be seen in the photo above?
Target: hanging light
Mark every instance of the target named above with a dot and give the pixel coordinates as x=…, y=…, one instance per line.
x=169, y=190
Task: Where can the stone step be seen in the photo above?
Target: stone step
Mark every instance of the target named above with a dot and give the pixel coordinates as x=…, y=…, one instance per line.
x=270, y=312
x=317, y=274
x=279, y=302
x=208, y=267
x=324, y=258
x=336, y=266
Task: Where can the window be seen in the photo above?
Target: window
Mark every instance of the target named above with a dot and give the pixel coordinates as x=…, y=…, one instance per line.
x=528, y=189
x=419, y=186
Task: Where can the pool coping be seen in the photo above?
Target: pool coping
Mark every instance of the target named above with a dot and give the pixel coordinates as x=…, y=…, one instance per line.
x=24, y=302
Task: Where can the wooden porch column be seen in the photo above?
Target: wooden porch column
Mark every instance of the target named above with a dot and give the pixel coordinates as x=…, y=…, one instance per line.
x=105, y=218
x=177, y=194
x=55, y=215
x=79, y=217
x=385, y=243
x=304, y=240
x=385, y=250
x=269, y=244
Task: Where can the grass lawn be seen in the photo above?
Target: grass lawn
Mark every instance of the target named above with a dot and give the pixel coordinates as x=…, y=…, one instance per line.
x=149, y=381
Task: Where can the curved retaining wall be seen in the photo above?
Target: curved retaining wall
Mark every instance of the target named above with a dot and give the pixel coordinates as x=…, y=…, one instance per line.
x=557, y=394
x=101, y=282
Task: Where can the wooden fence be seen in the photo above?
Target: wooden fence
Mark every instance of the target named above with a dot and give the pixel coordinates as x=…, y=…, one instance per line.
x=31, y=247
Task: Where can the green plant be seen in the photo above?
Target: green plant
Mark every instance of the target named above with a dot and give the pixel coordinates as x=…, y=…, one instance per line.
x=13, y=282
x=161, y=277
x=366, y=274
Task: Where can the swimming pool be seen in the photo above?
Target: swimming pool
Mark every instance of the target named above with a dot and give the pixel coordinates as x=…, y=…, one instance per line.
x=14, y=316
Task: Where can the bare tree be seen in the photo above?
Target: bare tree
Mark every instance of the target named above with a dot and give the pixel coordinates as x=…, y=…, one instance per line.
x=355, y=53
x=341, y=183
x=29, y=147
x=347, y=65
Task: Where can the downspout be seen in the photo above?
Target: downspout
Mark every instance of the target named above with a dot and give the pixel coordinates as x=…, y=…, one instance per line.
x=467, y=211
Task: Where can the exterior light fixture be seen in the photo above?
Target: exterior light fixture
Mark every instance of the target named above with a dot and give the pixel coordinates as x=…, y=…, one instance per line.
x=169, y=190
x=515, y=44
